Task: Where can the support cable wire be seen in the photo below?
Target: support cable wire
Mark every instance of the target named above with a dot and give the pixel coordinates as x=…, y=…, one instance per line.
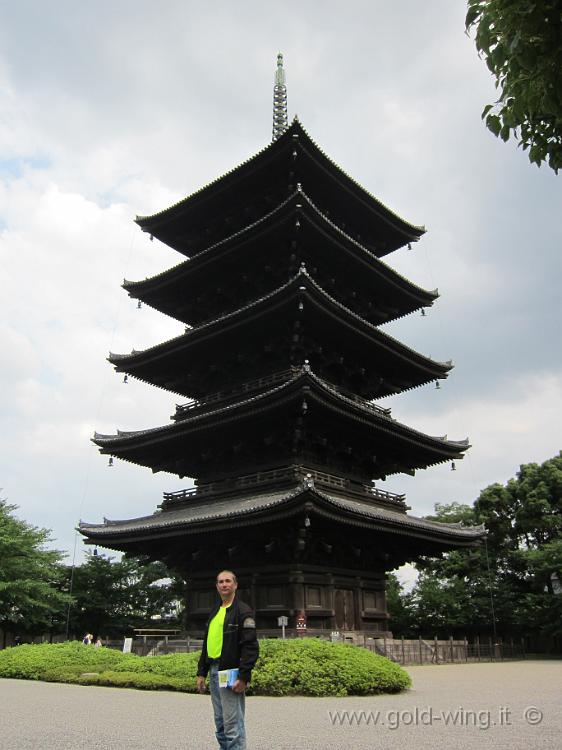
x=101, y=402
x=491, y=592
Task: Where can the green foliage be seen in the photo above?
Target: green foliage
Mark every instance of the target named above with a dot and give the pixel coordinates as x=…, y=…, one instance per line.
x=521, y=41
x=296, y=667
x=30, y=661
x=74, y=662
x=312, y=667
x=139, y=680
x=521, y=563
x=112, y=597
x=30, y=599
x=399, y=605
x=108, y=597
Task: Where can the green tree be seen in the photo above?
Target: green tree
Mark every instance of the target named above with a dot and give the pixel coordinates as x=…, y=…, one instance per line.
x=521, y=41
x=111, y=597
x=451, y=595
x=30, y=597
x=514, y=578
x=542, y=605
x=399, y=607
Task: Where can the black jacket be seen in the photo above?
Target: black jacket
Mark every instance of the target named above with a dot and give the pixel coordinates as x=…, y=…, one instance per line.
x=240, y=649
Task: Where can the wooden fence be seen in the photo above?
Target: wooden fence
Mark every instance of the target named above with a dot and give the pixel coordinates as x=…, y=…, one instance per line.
x=449, y=651
x=402, y=651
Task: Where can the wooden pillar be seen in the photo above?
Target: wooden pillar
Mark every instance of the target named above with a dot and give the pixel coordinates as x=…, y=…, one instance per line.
x=252, y=601
x=297, y=591
x=357, y=603
x=329, y=601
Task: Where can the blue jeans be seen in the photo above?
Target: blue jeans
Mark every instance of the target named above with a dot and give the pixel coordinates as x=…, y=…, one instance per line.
x=228, y=708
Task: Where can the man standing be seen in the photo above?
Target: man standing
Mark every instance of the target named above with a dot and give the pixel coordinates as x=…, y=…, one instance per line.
x=230, y=643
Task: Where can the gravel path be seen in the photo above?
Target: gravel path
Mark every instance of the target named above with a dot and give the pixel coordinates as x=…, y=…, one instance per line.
x=511, y=706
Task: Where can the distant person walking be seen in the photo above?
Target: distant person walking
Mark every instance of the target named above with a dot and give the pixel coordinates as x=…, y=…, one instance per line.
x=230, y=650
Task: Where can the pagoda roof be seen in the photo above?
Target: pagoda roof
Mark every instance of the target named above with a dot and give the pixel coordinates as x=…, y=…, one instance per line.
x=161, y=363
x=184, y=226
x=401, y=448
x=167, y=290
x=202, y=516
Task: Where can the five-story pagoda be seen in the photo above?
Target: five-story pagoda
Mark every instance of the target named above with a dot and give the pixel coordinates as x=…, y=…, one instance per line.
x=283, y=292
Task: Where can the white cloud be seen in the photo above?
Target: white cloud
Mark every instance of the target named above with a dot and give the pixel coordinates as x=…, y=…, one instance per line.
x=519, y=423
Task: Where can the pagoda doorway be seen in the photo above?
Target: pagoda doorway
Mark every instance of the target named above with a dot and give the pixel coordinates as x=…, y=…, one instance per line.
x=344, y=609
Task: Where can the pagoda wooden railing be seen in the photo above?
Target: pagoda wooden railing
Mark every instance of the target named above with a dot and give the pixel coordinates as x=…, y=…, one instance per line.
x=361, y=401
x=277, y=377
x=247, y=387
x=283, y=476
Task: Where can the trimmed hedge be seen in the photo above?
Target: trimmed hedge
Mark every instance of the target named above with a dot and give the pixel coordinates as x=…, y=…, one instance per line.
x=86, y=665
x=295, y=667
x=309, y=666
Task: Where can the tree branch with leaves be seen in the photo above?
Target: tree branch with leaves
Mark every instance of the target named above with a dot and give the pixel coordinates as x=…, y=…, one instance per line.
x=30, y=576
x=521, y=41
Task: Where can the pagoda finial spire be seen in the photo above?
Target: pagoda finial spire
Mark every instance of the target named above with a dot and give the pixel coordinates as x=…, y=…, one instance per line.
x=280, y=119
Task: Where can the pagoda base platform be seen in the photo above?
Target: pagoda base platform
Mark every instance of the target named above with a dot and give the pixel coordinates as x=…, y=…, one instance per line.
x=366, y=638
x=339, y=600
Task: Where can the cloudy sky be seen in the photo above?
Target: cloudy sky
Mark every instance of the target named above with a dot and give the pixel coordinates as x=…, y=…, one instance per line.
x=108, y=110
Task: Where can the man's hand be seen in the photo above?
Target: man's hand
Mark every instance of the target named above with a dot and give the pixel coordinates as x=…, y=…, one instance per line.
x=201, y=688
x=239, y=686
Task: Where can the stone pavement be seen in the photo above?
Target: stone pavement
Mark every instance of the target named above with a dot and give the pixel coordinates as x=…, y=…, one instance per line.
x=505, y=706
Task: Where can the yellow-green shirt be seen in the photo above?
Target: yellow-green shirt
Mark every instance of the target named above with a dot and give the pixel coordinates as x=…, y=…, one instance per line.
x=214, y=636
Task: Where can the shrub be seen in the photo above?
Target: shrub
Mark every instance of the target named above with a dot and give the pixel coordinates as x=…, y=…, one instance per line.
x=313, y=667
x=30, y=661
x=296, y=667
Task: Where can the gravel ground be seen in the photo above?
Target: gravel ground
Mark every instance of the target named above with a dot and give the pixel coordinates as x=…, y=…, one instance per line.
x=513, y=705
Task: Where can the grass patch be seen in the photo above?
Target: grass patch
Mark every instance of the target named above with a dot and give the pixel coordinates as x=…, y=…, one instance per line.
x=296, y=667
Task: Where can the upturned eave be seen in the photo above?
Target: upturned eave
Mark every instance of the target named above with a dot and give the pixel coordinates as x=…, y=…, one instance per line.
x=257, y=509
x=147, y=447
x=400, y=232
x=219, y=251
x=301, y=285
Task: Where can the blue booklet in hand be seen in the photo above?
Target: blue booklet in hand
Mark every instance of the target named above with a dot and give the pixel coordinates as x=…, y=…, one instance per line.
x=227, y=677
